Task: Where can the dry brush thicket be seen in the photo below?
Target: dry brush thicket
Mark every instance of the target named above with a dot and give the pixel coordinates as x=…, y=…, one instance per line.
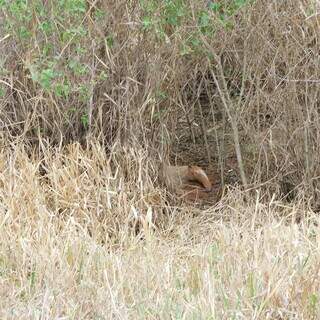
x=91, y=102
x=124, y=84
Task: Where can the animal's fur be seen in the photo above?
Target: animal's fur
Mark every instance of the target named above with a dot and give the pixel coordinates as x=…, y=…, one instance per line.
x=175, y=177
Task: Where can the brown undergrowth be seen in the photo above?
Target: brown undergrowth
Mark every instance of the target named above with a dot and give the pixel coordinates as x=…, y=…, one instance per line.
x=86, y=235
x=95, y=95
x=204, y=84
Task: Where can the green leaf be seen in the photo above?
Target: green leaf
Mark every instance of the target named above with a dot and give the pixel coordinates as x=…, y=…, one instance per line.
x=103, y=76
x=2, y=92
x=24, y=33
x=146, y=23
x=46, y=26
x=110, y=41
x=72, y=110
x=46, y=78
x=214, y=6
x=85, y=120
x=62, y=90
x=78, y=68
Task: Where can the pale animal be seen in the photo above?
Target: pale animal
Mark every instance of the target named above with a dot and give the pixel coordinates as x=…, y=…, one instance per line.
x=176, y=177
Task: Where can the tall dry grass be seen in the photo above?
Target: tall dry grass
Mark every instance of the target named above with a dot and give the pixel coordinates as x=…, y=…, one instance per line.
x=68, y=248
x=93, y=94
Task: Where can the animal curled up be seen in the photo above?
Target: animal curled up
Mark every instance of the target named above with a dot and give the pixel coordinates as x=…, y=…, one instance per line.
x=177, y=177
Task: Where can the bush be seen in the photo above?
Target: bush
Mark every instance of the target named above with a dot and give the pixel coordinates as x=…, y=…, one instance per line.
x=134, y=72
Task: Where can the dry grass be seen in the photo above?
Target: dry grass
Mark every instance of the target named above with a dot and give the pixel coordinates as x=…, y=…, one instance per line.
x=94, y=94
x=67, y=250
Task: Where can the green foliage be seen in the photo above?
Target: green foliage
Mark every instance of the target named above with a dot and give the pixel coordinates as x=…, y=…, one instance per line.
x=46, y=27
x=77, y=67
x=214, y=6
x=20, y=18
x=313, y=303
x=85, y=120
x=32, y=279
x=2, y=92
x=103, y=76
x=99, y=14
x=205, y=23
x=159, y=15
x=47, y=50
x=57, y=42
x=165, y=18
x=161, y=95
x=73, y=7
x=62, y=90
x=174, y=12
x=54, y=37
x=84, y=91
x=46, y=78
x=110, y=41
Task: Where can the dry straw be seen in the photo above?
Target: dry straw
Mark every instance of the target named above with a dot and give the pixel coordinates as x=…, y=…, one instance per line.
x=94, y=95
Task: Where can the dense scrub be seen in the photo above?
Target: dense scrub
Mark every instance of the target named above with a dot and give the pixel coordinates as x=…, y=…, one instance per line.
x=130, y=72
x=94, y=94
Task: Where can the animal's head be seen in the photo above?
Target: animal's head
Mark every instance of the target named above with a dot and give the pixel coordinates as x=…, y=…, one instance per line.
x=198, y=174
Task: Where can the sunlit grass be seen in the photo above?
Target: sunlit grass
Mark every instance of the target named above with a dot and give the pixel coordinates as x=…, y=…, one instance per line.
x=60, y=258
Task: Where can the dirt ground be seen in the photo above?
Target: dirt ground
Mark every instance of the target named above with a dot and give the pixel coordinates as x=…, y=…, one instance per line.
x=189, y=148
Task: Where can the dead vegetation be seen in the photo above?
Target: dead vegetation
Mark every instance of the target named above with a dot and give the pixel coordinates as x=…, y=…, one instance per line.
x=95, y=96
